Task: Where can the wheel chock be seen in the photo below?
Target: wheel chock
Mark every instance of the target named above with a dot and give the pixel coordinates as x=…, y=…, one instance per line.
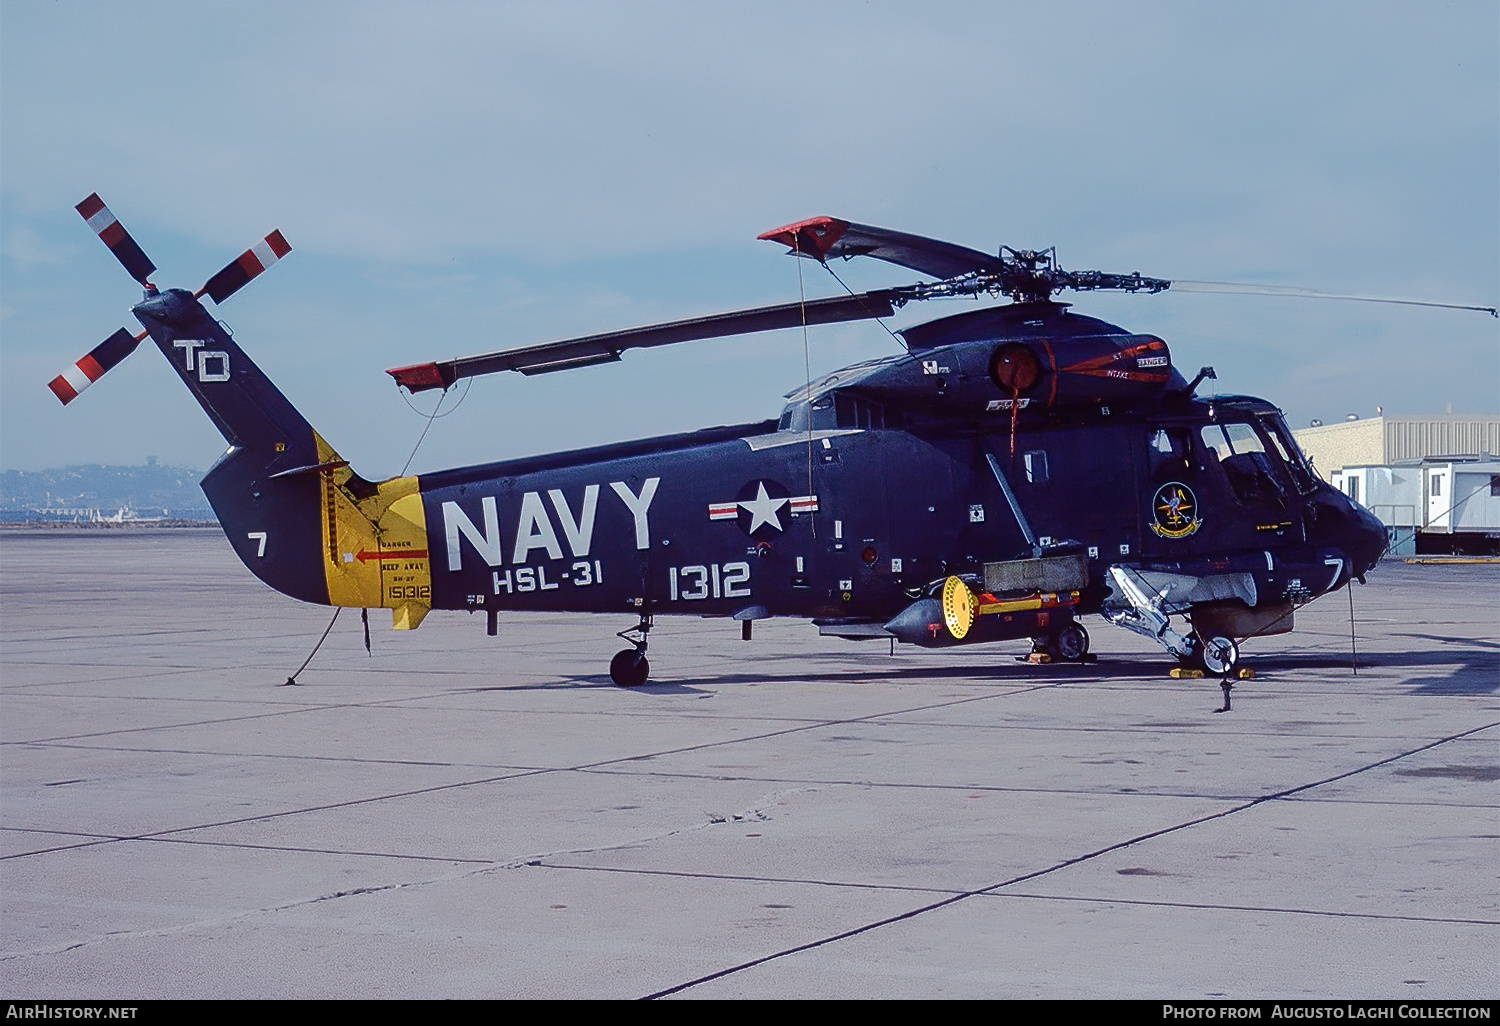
x=1185, y=673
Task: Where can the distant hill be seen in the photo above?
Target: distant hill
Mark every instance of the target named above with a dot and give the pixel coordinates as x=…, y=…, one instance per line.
x=95, y=490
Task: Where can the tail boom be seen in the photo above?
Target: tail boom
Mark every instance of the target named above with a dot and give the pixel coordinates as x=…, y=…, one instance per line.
x=297, y=516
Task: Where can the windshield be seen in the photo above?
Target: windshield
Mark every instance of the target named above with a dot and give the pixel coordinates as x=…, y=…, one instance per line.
x=1286, y=447
x=1256, y=474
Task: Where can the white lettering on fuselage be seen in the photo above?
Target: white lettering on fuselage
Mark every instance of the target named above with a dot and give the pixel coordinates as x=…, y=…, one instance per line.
x=579, y=532
x=534, y=525
x=535, y=530
x=638, y=505
x=456, y=522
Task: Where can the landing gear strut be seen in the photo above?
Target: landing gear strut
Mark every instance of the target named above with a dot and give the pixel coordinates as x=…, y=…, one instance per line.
x=1136, y=609
x=629, y=668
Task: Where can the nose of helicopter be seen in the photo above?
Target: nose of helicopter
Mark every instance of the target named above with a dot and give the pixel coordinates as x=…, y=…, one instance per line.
x=1345, y=524
x=1369, y=539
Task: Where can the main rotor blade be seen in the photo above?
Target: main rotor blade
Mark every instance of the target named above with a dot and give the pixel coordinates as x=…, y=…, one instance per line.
x=606, y=348
x=113, y=234
x=246, y=267
x=1237, y=288
x=822, y=237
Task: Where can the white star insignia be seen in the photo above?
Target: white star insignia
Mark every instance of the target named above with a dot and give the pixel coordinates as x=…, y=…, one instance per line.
x=762, y=509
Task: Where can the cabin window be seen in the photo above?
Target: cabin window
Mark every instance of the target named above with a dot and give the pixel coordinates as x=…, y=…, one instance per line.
x=1169, y=452
x=854, y=412
x=1036, y=467
x=847, y=417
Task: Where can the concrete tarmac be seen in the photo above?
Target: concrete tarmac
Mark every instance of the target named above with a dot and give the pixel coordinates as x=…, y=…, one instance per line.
x=796, y=817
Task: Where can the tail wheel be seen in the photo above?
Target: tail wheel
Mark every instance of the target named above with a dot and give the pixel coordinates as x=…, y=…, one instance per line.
x=1219, y=655
x=629, y=668
x=1072, y=642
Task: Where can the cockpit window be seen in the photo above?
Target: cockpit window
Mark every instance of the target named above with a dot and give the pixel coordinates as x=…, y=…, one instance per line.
x=1232, y=439
x=1256, y=475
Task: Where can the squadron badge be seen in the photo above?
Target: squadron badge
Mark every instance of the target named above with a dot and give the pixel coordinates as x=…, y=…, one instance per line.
x=1176, y=511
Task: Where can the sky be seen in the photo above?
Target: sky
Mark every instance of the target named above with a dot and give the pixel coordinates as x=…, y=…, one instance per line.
x=456, y=178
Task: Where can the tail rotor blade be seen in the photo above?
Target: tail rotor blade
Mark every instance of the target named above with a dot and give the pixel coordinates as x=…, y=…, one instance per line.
x=71, y=382
x=114, y=235
x=245, y=267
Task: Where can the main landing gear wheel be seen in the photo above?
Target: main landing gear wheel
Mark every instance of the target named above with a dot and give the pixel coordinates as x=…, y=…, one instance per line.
x=629, y=668
x=1219, y=655
x=1071, y=643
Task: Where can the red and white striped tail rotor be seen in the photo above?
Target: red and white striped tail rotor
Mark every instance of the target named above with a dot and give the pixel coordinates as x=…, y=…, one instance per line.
x=71, y=383
x=246, y=267
x=68, y=385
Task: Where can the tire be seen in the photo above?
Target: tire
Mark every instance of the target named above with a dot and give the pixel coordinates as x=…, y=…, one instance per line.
x=629, y=668
x=1219, y=655
x=1071, y=643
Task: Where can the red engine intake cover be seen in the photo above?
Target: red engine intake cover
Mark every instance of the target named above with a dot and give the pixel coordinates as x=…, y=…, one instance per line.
x=1067, y=371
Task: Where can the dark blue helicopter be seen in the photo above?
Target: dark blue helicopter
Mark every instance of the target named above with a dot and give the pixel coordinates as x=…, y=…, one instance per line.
x=1016, y=468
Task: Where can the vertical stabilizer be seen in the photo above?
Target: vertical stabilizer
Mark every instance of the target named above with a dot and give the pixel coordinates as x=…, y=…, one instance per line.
x=266, y=502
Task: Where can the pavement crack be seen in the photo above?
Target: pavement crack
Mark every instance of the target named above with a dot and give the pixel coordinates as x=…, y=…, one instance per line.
x=215, y=922
x=755, y=814
x=996, y=888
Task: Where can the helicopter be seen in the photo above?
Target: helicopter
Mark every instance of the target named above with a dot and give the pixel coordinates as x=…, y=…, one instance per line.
x=1015, y=468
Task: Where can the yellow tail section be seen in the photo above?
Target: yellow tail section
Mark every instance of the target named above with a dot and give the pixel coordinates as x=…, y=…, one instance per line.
x=374, y=542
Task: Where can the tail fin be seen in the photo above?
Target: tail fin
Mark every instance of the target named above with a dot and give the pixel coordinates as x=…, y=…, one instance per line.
x=271, y=521
x=297, y=516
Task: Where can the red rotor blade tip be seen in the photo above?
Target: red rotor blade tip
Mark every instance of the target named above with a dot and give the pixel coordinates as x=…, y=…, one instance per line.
x=813, y=237
x=246, y=267
x=68, y=385
x=420, y=376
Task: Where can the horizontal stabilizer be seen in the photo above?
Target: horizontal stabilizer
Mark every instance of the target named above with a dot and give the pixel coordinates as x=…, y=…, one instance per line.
x=71, y=382
x=247, y=266
x=113, y=234
x=606, y=348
